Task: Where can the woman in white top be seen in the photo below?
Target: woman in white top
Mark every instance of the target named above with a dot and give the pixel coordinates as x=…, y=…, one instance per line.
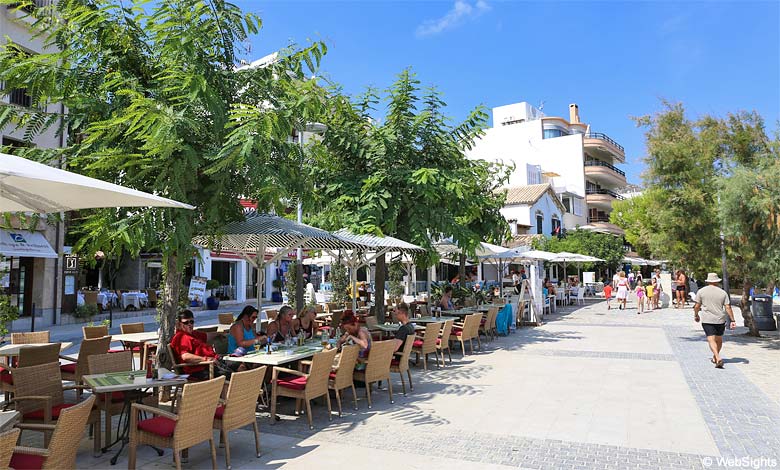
x=622, y=290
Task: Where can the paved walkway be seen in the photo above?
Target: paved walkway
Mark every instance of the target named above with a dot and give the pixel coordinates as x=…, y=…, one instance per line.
x=590, y=389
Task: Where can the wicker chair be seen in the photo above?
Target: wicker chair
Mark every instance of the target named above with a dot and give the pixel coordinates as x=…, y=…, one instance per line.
x=90, y=298
x=151, y=298
x=91, y=332
x=31, y=337
x=444, y=340
x=377, y=367
x=112, y=404
x=225, y=318
x=487, y=325
x=304, y=386
x=424, y=310
x=40, y=398
x=331, y=306
x=7, y=443
x=238, y=408
x=61, y=452
x=192, y=425
x=341, y=377
x=79, y=366
x=144, y=349
x=467, y=331
x=29, y=356
x=271, y=313
x=428, y=344
x=401, y=364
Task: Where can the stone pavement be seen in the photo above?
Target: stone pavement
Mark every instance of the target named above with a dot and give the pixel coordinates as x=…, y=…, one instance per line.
x=589, y=389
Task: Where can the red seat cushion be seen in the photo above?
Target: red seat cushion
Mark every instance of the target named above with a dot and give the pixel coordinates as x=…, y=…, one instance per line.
x=159, y=425
x=457, y=331
x=116, y=397
x=68, y=368
x=417, y=343
x=327, y=328
x=55, y=411
x=395, y=362
x=482, y=322
x=116, y=350
x=297, y=383
x=220, y=411
x=26, y=461
x=7, y=378
x=3, y=370
x=438, y=341
x=333, y=376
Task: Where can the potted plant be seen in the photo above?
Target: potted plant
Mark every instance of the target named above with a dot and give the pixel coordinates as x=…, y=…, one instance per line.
x=212, y=303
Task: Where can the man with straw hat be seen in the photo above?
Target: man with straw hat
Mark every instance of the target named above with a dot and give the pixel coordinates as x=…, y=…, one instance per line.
x=713, y=303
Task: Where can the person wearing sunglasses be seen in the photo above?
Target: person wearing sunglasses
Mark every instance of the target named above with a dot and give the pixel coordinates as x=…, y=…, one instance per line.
x=242, y=332
x=191, y=347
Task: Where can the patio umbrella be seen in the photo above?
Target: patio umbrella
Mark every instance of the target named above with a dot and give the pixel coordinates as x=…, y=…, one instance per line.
x=259, y=232
x=28, y=186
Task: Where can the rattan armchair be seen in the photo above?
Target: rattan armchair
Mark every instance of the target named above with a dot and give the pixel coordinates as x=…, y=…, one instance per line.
x=304, y=386
x=444, y=340
x=428, y=344
x=238, y=408
x=7, y=443
x=91, y=332
x=190, y=426
x=61, y=451
x=400, y=364
x=30, y=337
x=225, y=318
x=144, y=349
x=467, y=331
x=342, y=377
x=40, y=398
x=377, y=367
x=80, y=366
x=487, y=325
x=28, y=356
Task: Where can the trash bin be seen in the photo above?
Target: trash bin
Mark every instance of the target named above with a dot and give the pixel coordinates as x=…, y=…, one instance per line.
x=761, y=307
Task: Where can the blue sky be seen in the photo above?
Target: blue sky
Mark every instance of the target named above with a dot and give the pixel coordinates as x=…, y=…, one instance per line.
x=615, y=59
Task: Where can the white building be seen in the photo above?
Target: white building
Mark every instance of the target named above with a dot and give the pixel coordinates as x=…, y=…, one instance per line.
x=32, y=282
x=578, y=163
x=533, y=210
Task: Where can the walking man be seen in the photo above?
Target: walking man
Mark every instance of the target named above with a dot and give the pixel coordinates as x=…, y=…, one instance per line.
x=713, y=303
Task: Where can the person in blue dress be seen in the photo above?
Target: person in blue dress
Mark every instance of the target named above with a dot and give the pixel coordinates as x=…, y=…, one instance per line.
x=242, y=332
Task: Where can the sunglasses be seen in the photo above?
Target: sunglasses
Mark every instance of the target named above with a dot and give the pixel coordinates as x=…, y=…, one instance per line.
x=187, y=322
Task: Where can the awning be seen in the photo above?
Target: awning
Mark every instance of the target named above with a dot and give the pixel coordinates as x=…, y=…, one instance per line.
x=18, y=243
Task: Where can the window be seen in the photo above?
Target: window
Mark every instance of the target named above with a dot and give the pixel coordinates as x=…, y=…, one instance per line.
x=567, y=204
x=539, y=223
x=553, y=132
x=10, y=144
x=579, y=206
x=534, y=174
x=556, y=225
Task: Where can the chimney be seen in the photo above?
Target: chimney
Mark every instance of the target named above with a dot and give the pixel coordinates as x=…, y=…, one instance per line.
x=574, y=113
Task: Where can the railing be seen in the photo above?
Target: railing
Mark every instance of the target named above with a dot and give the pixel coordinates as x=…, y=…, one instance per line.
x=19, y=97
x=602, y=136
x=605, y=164
x=598, y=218
x=604, y=191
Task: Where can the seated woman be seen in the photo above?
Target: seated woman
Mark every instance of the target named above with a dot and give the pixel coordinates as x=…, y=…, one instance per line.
x=446, y=299
x=283, y=326
x=355, y=334
x=306, y=322
x=242, y=331
x=191, y=347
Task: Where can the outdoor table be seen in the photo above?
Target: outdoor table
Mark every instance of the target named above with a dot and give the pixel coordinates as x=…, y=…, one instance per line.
x=13, y=349
x=282, y=355
x=8, y=420
x=136, y=299
x=136, y=337
x=462, y=312
x=121, y=382
x=425, y=320
x=106, y=299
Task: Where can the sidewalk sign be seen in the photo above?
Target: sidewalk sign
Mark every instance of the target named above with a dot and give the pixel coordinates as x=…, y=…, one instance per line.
x=197, y=288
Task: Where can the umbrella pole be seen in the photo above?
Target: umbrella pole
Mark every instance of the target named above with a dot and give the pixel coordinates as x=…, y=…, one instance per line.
x=353, y=287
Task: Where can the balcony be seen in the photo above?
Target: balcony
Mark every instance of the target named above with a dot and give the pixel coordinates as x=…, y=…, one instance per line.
x=601, y=198
x=601, y=145
x=604, y=174
x=602, y=224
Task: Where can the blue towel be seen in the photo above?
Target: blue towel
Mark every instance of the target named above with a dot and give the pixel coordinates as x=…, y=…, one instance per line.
x=504, y=320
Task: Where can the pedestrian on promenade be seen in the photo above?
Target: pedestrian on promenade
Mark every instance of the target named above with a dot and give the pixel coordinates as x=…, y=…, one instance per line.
x=622, y=290
x=713, y=303
x=682, y=282
x=608, y=295
x=640, y=297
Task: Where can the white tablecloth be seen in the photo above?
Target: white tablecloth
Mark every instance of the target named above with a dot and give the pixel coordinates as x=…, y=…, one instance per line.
x=136, y=299
x=106, y=298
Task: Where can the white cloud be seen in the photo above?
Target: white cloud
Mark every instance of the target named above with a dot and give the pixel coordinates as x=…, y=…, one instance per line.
x=461, y=11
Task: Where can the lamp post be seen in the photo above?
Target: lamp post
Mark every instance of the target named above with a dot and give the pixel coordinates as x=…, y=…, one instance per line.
x=315, y=128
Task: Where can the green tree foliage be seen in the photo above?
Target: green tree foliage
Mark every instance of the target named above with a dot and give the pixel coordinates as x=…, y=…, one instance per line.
x=291, y=283
x=406, y=175
x=155, y=101
x=395, y=277
x=339, y=279
x=638, y=217
x=587, y=242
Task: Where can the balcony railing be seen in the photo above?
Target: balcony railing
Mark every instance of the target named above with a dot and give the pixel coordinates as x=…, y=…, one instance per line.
x=603, y=191
x=605, y=164
x=19, y=97
x=602, y=136
x=598, y=218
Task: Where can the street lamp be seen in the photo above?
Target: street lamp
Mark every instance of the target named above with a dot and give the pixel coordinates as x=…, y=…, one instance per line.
x=315, y=128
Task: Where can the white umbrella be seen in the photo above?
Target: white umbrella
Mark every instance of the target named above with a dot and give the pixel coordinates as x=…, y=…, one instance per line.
x=28, y=186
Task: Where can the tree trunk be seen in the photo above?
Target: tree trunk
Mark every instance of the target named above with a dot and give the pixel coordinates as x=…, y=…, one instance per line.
x=379, y=290
x=744, y=306
x=169, y=307
x=462, y=270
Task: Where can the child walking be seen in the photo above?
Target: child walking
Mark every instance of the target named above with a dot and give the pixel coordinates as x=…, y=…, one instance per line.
x=640, y=298
x=650, y=295
x=608, y=295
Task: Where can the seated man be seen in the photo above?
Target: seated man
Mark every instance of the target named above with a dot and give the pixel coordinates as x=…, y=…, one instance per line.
x=406, y=331
x=191, y=347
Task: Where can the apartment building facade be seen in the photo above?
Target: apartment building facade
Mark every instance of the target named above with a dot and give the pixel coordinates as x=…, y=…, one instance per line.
x=579, y=164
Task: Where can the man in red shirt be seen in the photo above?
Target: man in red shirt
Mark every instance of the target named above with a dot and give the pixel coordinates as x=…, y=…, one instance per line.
x=190, y=346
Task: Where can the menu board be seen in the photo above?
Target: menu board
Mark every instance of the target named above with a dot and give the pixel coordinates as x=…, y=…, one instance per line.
x=197, y=288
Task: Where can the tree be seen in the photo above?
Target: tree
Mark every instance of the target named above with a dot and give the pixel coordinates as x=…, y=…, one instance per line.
x=155, y=101
x=638, y=218
x=407, y=175
x=587, y=242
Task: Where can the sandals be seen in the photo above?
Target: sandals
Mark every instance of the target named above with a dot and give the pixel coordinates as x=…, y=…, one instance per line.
x=719, y=364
